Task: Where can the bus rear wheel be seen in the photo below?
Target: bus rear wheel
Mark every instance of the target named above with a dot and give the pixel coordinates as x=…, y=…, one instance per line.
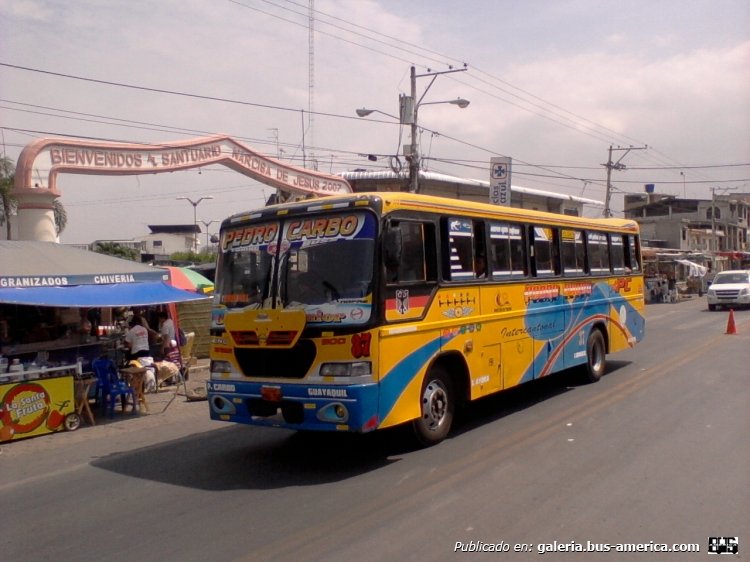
x=596, y=353
x=437, y=408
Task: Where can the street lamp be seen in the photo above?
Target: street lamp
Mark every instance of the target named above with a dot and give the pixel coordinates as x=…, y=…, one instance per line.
x=207, y=224
x=364, y=112
x=408, y=108
x=195, y=217
x=460, y=102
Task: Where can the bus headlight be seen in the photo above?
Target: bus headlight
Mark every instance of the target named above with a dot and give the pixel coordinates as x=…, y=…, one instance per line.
x=333, y=413
x=221, y=367
x=353, y=369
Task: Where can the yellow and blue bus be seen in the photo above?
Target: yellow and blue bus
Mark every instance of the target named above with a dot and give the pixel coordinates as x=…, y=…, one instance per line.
x=367, y=311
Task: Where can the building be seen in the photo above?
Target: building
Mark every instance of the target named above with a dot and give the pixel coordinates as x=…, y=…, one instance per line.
x=163, y=241
x=679, y=234
x=700, y=225
x=442, y=185
x=167, y=239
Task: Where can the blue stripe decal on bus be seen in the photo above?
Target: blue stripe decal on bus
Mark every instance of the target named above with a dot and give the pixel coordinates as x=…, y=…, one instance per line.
x=398, y=378
x=634, y=324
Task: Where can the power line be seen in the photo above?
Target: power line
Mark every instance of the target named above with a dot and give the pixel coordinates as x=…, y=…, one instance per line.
x=170, y=92
x=571, y=119
x=574, y=124
x=168, y=128
x=338, y=37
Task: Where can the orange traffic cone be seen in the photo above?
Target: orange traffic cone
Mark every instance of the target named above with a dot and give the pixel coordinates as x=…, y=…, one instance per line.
x=731, y=329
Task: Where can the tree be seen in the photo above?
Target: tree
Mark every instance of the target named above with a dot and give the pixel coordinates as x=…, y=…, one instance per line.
x=116, y=250
x=7, y=202
x=61, y=216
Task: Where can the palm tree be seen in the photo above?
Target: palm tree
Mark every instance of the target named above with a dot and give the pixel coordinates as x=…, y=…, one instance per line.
x=61, y=216
x=8, y=202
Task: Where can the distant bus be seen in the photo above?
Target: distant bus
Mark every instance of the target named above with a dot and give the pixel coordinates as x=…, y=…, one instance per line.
x=368, y=311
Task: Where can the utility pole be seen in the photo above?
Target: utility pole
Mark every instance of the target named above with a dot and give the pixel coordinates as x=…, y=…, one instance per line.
x=311, y=80
x=414, y=156
x=714, y=245
x=615, y=166
x=275, y=137
x=409, y=107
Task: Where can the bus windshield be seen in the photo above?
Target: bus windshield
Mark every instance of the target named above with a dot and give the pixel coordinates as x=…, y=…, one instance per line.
x=323, y=265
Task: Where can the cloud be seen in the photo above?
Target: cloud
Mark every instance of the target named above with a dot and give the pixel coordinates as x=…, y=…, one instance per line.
x=648, y=100
x=681, y=87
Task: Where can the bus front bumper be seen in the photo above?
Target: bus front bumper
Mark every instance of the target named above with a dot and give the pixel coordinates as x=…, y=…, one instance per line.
x=295, y=406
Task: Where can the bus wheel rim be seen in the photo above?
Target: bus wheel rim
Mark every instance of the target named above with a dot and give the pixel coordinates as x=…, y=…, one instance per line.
x=435, y=402
x=597, y=358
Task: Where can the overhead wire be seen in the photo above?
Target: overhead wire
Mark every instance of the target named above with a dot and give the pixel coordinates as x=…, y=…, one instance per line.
x=572, y=124
x=559, y=112
x=575, y=121
x=169, y=128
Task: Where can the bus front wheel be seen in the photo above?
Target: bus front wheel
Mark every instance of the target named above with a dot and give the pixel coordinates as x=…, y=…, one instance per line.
x=437, y=408
x=595, y=356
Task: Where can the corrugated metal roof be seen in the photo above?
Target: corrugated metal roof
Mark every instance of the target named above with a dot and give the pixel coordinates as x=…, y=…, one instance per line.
x=29, y=258
x=437, y=177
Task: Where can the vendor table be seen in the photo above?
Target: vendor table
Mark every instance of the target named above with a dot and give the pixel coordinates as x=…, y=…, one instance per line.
x=135, y=377
x=82, y=390
x=69, y=350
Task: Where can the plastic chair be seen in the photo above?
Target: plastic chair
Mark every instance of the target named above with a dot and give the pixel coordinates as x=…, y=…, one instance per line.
x=109, y=386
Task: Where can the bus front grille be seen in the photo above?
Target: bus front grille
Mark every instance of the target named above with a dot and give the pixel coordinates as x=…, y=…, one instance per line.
x=277, y=363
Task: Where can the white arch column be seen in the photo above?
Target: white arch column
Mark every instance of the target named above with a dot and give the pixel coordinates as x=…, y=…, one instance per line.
x=36, y=216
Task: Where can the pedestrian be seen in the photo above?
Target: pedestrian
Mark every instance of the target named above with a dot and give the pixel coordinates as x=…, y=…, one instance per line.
x=672, y=288
x=166, y=331
x=136, y=339
x=94, y=316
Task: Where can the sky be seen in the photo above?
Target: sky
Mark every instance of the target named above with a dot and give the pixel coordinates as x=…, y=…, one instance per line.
x=552, y=84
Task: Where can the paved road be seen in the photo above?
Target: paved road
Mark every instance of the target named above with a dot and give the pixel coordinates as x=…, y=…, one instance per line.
x=656, y=451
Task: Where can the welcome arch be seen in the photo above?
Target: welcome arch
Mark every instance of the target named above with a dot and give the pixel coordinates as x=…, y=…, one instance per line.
x=46, y=158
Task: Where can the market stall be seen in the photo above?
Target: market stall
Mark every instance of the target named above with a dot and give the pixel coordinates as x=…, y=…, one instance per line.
x=48, y=334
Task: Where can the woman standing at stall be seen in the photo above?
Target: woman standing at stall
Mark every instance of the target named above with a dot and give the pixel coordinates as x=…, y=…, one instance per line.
x=136, y=339
x=167, y=332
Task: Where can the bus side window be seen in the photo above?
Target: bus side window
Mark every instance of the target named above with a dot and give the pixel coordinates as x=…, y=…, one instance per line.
x=617, y=253
x=546, y=251
x=573, y=252
x=598, y=253
x=480, y=251
x=631, y=253
x=459, y=262
x=412, y=260
x=507, y=256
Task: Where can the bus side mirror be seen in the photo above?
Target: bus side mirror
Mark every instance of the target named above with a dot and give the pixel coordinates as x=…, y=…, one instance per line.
x=392, y=248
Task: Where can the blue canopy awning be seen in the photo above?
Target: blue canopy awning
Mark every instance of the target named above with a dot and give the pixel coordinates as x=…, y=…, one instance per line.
x=118, y=294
